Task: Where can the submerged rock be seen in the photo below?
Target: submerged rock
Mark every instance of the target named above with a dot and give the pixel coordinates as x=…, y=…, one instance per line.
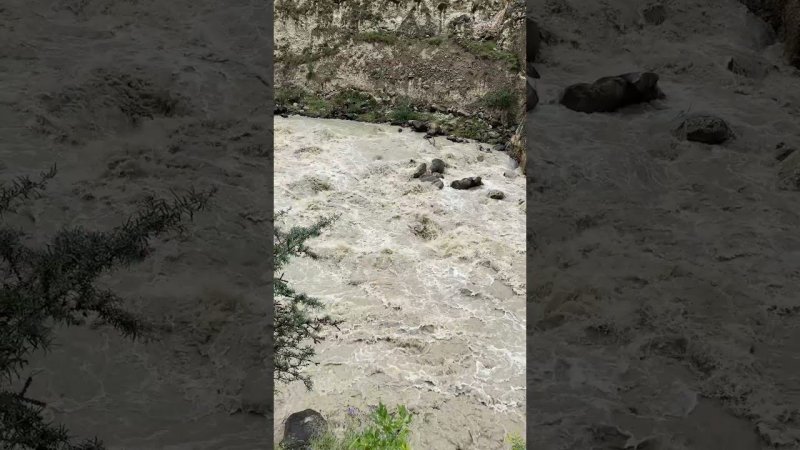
x=496, y=194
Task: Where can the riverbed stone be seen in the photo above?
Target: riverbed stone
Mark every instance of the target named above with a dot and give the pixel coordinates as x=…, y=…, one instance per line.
x=301, y=427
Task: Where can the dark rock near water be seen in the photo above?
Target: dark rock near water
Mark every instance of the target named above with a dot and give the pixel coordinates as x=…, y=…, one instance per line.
x=533, y=39
x=530, y=70
x=496, y=194
x=532, y=98
x=434, y=179
x=608, y=94
x=466, y=183
x=746, y=66
x=456, y=139
x=301, y=427
x=431, y=177
x=418, y=126
x=437, y=165
x=420, y=170
x=499, y=148
x=706, y=129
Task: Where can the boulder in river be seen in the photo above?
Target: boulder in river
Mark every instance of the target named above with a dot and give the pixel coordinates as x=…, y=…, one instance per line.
x=420, y=170
x=496, y=194
x=532, y=98
x=301, y=427
x=609, y=94
x=466, y=183
x=437, y=165
x=706, y=129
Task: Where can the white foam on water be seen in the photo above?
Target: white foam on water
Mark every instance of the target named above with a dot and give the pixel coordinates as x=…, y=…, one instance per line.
x=427, y=319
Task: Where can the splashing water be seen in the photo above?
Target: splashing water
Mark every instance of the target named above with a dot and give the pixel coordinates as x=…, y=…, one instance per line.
x=429, y=282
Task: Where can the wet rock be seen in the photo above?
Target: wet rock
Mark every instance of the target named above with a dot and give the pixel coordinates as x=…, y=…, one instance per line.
x=530, y=70
x=608, y=94
x=499, y=148
x=418, y=126
x=654, y=14
x=706, y=129
x=431, y=177
x=420, y=170
x=532, y=97
x=466, y=183
x=437, y=165
x=439, y=184
x=746, y=66
x=301, y=427
x=496, y=194
x=399, y=130
x=456, y=139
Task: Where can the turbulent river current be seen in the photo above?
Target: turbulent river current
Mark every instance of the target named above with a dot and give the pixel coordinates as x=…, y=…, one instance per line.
x=430, y=283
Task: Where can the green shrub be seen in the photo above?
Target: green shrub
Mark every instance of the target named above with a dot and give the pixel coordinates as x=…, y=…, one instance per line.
x=377, y=37
x=286, y=95
x=298, y=326
x=382, y=430
x=352, y=102
x=403, y=111
x=502, y=100
x=516, y=441
x=46, y=286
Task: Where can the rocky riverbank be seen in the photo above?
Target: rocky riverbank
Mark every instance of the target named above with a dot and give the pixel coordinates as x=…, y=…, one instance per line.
x=456, y=67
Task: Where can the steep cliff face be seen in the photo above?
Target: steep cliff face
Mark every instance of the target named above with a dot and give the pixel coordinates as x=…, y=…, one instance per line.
x=458, y=57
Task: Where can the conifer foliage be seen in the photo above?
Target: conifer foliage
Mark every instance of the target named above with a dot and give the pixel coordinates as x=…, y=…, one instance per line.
x=43, y=287
x=299, y=323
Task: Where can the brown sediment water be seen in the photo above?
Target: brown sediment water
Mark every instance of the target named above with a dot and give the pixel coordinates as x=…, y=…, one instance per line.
x=430, y=283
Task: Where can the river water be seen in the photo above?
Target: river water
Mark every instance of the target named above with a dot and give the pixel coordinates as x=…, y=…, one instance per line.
x=430, y=283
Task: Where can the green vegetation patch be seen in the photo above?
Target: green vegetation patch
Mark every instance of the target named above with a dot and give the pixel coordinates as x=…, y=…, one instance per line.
x=490, y=50
x=373, y=37
x=501, y=99
x=382, y=429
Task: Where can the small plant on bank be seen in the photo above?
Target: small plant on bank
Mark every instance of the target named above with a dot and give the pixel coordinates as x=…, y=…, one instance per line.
x=403, y=112
x=376, y=37
x=43, y=287
x=352, y=102
x=516, y=441
x=502, y=100
x=382, y=430
x=298, y=325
